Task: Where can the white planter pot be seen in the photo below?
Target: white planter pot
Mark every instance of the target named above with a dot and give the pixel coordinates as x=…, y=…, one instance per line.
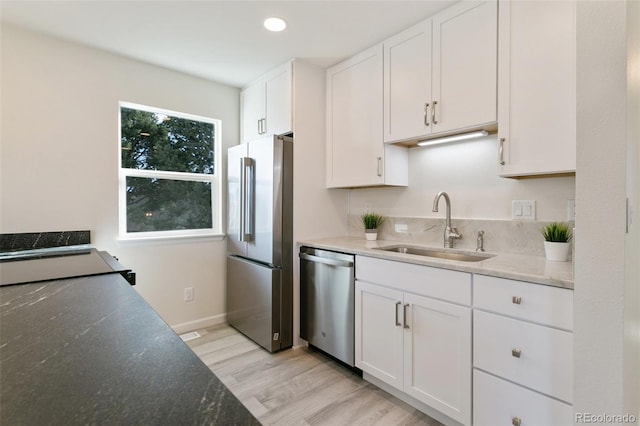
x=371, y=234
x=557, y=252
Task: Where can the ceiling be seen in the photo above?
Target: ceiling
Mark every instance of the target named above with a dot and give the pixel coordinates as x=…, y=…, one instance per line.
x=222, y=41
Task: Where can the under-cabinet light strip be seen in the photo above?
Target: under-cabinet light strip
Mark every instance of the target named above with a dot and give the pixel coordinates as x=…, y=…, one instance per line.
x=464, y=136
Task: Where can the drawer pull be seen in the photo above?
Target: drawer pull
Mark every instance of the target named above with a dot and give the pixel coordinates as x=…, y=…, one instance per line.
x=516, y=300
x=516, y=421
x=404, y=315
x=516, y=352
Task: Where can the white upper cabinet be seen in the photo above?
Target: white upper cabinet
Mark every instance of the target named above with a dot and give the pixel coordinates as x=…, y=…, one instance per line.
x=356, y=155
x=407, y=83
x=252, y=111
x=537, y=87
x=440, y=76
x=266, y=105
x=464, y=66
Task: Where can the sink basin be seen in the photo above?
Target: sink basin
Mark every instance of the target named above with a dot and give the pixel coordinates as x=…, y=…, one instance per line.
x=449, y=254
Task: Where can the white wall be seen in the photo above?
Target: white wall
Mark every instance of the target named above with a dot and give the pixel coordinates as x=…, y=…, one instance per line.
x=59, y=159
x=318, y=212
x=468, y=172
x=605, y=347
x=632, y=243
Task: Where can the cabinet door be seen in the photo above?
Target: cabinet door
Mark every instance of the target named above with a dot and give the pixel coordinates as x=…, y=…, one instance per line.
x=464, y=66
x=354, y=121
x=437, y=355
x=407, y=83
x=378, y=322
x=252, y=111
x=537, y=90
x=277, y=88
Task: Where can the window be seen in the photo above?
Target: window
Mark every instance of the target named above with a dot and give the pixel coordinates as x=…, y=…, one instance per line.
x=169, y=173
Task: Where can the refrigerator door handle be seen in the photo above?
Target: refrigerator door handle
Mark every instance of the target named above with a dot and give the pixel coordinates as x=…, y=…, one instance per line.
x=247, y=198
x=242, y=199
x=250, y=208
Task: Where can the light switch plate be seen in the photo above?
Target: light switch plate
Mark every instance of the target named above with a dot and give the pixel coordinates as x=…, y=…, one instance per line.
x=523, y=210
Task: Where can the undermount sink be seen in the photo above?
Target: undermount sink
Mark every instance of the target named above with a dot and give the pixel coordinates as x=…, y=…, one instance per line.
x=463, y=256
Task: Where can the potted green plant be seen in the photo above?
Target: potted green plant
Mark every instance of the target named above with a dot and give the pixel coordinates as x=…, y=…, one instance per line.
x=557, y=237
x=372, y=221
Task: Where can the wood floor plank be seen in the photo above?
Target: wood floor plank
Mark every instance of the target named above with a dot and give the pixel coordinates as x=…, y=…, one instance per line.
x=299, y=386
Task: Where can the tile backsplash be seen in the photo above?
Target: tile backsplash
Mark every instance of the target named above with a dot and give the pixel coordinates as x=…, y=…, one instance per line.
x=522, y=237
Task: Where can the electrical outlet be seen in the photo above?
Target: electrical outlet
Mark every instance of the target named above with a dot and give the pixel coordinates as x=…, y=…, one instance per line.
x=571, y=210
x=523, y=210
x=188, y=294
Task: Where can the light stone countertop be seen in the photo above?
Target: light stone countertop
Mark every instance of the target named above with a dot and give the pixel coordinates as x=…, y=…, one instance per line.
x=534, y=269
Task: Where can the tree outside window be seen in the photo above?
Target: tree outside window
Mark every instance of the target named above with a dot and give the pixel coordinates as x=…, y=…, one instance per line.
x=169, y=177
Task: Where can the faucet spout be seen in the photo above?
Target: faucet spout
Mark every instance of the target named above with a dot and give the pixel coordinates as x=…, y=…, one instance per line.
x=450, y=232
x=447, y=201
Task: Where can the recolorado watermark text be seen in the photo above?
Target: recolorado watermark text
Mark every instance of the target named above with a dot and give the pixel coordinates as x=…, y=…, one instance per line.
x=605, y=418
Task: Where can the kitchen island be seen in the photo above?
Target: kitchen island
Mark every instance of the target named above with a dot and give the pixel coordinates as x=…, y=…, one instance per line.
x=90, y=350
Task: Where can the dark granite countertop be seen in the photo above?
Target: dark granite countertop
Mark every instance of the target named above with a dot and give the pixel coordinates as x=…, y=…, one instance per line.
x=92, y=351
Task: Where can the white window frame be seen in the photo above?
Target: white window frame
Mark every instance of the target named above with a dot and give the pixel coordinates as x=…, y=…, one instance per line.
x=215, y=179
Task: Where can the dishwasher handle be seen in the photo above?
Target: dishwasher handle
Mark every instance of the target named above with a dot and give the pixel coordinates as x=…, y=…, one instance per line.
x=326, y=260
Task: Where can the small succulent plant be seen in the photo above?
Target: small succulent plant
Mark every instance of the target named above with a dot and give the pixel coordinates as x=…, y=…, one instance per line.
x=372, y=220
x=557, y=232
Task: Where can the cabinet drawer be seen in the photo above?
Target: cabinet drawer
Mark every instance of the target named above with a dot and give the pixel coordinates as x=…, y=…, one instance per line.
x=452, y=286
x=539, y=303
x=498, y=402
x=540, y=358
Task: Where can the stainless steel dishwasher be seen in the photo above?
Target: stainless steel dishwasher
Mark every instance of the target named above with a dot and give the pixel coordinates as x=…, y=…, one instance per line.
x=327, y=302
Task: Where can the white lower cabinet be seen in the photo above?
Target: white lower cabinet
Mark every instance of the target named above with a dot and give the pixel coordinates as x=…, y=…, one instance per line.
x=437, y=355
x=522, y=353
x=414, y=333
x=498, y=402
x=417, y=344
x=379, y=332
x=537, y=357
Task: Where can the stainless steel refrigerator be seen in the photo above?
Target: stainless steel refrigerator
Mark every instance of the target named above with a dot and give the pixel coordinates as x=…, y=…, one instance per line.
x=260, y=241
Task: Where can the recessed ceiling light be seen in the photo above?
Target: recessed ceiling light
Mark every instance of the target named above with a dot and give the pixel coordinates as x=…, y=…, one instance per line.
x=275, y=24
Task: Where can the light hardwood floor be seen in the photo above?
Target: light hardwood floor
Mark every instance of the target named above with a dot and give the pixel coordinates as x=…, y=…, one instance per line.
x=298, y=386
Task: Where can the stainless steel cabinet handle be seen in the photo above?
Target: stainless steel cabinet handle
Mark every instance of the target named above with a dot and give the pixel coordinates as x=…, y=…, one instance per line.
x=426, y=114
x=379, y=166
x=404, y=315
x=326, y=260
x=516, y=300
x=515, y=352
x=516, y=421
x=501, y=152
x=433, y=112
x=262, y=126
x=397, y=306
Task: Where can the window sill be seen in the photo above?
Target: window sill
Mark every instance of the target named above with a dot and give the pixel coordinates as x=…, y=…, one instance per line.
x=170, y=238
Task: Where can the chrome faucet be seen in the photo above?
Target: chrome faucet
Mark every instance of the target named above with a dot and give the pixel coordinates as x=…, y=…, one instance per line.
x=450, y=232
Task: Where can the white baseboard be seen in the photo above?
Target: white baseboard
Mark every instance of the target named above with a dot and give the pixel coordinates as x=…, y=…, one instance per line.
x=198, y=324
